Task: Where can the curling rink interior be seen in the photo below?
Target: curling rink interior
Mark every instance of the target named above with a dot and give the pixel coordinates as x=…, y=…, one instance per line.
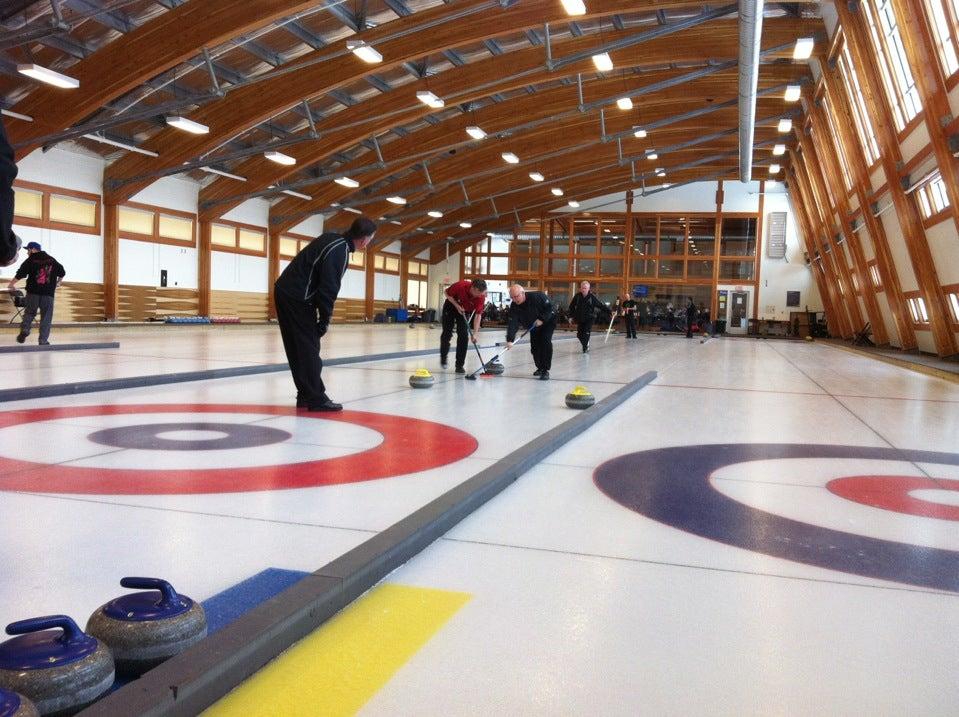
x=769, y=527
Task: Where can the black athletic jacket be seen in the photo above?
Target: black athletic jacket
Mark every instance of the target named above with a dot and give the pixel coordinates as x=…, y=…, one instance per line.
x=315, y=274
x=584, y=308
x=8, y=172
x=42, y=273
x=536, y=306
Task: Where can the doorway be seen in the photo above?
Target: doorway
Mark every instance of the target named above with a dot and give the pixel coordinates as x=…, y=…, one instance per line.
x=734, y=307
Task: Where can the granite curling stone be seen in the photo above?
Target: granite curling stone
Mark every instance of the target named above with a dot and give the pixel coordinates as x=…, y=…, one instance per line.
x=579, y=397
x=14, y=705
x=55, y=665
x=421, y=378
x=495, y=368
x=144, y=629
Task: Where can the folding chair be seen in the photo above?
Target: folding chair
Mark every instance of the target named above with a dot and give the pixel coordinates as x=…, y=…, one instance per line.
x=19, y=302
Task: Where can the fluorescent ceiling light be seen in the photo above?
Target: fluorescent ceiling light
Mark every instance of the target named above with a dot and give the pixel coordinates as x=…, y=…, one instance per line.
x=774, y=168
x=667, y=185
x=573, y=203
x=557, y=192
x=785, y=125
x=396, y=200
x=363, y=51
x=603, y=62
x=475, y=132
x=607, y=231
x=466, y=225
x=16, y=115
x=660, y=172
x=429, y=99
x=639, y=134
x=435, y=214
x=651, y=156
x=624, y=103
x=393, y=221
x=351, y=210
x=574, y=7
x=510, y=158
x=793, y=93
x=347, y=182
x=51, y=77
x=803, y=49
x=187, y=125
x=280, y=158
x=536, y=176
x=779, y=150
x=121, y=145
x=298, y=195
x=228, y=175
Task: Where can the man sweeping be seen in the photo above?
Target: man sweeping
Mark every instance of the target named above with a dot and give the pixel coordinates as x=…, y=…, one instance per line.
x=462, y=299
x=304, y=295
x=533, y=310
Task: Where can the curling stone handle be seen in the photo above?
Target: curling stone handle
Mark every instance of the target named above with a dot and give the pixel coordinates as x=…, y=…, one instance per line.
x=70, y=629
x=169, y=596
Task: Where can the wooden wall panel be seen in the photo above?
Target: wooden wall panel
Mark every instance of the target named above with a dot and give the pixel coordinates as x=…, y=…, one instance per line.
x=248, y=305
x=75, y=301
x=145, y=303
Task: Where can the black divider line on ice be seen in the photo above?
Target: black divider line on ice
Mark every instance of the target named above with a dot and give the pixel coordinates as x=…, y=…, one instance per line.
x=57, y=347
x=115, y=384
x=195, y=679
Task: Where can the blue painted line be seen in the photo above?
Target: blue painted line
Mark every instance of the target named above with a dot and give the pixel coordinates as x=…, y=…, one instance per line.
x=234, y=602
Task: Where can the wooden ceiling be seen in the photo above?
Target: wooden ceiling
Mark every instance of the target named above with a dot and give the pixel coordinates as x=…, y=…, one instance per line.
x=276, y=74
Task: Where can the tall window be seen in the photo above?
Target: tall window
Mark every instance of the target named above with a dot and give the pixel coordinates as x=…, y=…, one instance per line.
x=932, y=196
x=841, y=152
x=944, y=23
x=857, y=102
x=893, y=65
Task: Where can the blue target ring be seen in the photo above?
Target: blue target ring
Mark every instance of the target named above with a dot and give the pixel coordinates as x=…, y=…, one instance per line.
x=671, y=486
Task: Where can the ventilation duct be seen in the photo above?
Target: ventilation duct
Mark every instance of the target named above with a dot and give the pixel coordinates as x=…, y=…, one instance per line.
x=750, y=32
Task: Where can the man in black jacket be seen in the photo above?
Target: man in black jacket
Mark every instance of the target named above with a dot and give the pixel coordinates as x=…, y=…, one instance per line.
x=43, y=274
x=628, y=309
x=690, y=317
x=583, y=308
x=304, y=295
x=9, y=242
x=533, y=310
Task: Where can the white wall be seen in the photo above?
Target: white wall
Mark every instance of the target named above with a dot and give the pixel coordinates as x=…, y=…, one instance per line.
x=141, y=262
x=172, y=193
x=386, y=287
x=311, y=227
x=354, y=284
x=238, y=272
x=439, y=277
x=254, y=211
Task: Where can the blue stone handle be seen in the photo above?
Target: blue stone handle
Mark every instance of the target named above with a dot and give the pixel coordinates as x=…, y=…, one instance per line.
x=168, y=596
x=71, y=632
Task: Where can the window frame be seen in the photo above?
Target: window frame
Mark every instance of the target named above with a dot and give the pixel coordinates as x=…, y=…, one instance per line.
x=889, y=52
x=918, y=312
x=945, y=34
x=154, y=237
x=45, y=222
x=849, y=78
x=236, y=248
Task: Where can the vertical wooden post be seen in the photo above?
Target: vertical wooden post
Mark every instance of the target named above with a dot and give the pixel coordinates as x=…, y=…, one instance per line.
x=404, y=276
x=759, y=245
x=368, y=297
x=717, y=240
x=204, y=268
x=273, y=272
x=628, y=238
x=111, y=262
x=543, y=235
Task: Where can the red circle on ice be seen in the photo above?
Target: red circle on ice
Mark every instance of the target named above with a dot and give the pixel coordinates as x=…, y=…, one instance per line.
x=893, y=493
x=409, y=445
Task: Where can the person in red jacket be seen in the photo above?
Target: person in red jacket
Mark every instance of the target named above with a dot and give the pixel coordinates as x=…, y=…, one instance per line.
x=43, y=274
x=462, y=299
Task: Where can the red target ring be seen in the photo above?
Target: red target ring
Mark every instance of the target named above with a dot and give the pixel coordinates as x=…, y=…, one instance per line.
x=893, y=493
x=409, y=445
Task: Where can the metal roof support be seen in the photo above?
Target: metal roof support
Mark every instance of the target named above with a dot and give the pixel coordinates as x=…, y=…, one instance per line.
x=549, y=48
x=309, y=118
x=429, y=180
x=750, y=34
x=214, y=82
x=379, y=153
x=467, y=196
x=495, y=211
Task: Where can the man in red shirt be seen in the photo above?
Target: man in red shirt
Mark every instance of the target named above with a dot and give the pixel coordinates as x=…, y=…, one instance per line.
x=462, y=298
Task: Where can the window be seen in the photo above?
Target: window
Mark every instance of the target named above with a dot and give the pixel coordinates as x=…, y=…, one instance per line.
x=251, y=240
x=857, y=102
x=39, y=205
x=386, y=263
x=841, y=152
x=952, y=296
x=943, y=24
x=917, y=308
x=932, y=196
x=289, y=247
x=135, y=221
x=358, y=259
x=239, y=238
x=875, y=276
x=893, y=65
x=738, y=237
x=143, y=222
x=180, y=228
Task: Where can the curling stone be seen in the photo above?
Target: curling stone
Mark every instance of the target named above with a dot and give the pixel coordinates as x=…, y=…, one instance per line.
x=55, y=665
x=809, y=338
x=421, y=378
x=146, y=628
x=579, y=397
x=495, y=368
x=14, y=705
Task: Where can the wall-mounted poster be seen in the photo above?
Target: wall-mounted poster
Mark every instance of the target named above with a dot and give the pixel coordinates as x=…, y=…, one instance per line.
x=792, y=298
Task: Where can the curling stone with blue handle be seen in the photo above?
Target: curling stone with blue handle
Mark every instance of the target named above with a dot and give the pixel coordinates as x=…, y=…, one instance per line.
x=144, y=629
x=14, y=705
x=55, y=665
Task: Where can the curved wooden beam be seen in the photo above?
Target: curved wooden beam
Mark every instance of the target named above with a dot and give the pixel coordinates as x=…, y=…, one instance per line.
x=134, y=58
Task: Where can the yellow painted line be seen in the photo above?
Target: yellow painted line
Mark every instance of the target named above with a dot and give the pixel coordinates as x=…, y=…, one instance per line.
x=338, y=668
x=901, y=363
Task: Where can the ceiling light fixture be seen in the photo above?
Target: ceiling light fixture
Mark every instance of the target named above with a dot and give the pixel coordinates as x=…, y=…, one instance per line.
x=603, y=62
x=347, y=182
x=557, y=192
x=774, y=168
x=429, y=99
x=803, y=49
x=121, y=145
x=298, y=195
x=624, y=103
x=228, y=175
x=574, y=204
x=536, y=176
x=639, y=134
x=785, y=125
x=16, y=115
x=779, y=150
x=393, y=221
x=280, y=158
x=510, y=158
x=50, y=77
x=365, y=52
x=476, y=132
x=396, y=200
x=187, y=125
x=793, y=93
x=574, y=7
x=660, y=172
x=651, y=155
x=466, y=225
x=435, y=214
x=351, y=210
